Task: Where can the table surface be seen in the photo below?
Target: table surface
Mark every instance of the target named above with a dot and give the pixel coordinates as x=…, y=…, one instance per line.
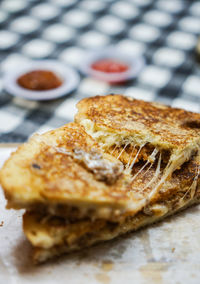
x=164, y=32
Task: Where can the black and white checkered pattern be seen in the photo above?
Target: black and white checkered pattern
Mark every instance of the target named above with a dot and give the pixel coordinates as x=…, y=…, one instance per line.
x=165, y=32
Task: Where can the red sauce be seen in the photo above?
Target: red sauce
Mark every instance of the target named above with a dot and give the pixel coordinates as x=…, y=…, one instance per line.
x=39, y=80
x=109, y=66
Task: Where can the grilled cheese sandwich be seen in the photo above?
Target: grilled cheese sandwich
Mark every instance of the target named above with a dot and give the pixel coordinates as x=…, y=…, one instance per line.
x=123, y=164
x=52, y=236
x=124, y=126
x=115, y=121
x=63, y=172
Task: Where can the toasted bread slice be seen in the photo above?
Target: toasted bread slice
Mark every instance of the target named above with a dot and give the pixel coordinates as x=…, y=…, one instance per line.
x=64, y=173
x=53, y=236
x=106, y=233
x=131, y=129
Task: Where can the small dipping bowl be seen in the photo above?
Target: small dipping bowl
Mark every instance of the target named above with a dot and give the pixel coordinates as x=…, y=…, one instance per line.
x=134, y=65
x=68, y=76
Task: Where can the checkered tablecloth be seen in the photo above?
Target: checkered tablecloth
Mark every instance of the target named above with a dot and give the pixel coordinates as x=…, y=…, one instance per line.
x=165, y=32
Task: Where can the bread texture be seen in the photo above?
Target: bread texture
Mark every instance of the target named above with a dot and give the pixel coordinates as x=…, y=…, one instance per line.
x=51, y=235
x=116, y=121
x=122, y=164
x=54, y=237
x=63, y=172
x=158, y=124
x=105, y=233
x=50, y=174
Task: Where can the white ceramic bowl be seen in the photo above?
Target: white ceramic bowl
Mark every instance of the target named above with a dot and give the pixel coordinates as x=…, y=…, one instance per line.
x=135, y=63
x=68, y=75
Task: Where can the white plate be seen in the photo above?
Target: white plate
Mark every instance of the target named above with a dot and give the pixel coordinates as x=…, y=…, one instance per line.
x=135, y=63
x=69, y=76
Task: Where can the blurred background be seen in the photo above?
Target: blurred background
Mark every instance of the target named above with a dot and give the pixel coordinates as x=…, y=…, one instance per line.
x=164, y=32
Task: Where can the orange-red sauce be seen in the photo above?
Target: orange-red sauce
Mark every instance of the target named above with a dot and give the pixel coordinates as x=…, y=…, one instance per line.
x=39, y=80
x=109, y=66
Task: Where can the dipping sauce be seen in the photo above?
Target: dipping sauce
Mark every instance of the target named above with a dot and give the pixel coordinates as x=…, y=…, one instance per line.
x=109, y=66
x=39, y=80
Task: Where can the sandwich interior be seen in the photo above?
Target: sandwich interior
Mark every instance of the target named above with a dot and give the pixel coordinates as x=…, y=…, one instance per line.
x=94, y=180
x=53, y=235
x=134, y=130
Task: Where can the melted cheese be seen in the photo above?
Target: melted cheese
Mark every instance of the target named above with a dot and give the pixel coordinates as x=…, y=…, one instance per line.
x=138, y=152
x=108, y=138
x=150, y=160
x=104, y=170
x=122, y=150
x=173, y=164
x=156, y=175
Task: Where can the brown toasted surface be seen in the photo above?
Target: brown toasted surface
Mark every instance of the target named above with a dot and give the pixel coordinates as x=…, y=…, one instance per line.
x=64, y=172
x=180, y=181
x=39, y=176
x=54, y=236
x=50, y=170
x=159, y=124
x=46, y=231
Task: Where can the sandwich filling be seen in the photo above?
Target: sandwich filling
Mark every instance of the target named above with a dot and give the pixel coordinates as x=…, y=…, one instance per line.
x=54, y=237
x=50, y=235
x=134, y=131
x=123, y=164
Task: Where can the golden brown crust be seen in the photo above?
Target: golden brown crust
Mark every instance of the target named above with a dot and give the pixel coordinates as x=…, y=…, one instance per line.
x=120, y=123
x=50, y=171
x=46, y=231
x=54, y=237
x=79, y=195
x=39, y=176
x=166, y=126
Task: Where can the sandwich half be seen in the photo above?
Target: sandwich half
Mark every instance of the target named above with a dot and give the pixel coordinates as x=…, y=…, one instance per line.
x=133, y=130
x=63, y=172
x=123, y=164
x=52, y=236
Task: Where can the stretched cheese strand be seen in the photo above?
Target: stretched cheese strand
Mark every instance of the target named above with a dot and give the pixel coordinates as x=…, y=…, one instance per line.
x=127, y=165
x=142, y=168
x=136, y=206
x=116, y=146
x=169, y=169
x=194, y=183
x=123, y=150
x=133, y=162
x=157, y=172
x=150, y=160
x=192, y=189
x=143, y=174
